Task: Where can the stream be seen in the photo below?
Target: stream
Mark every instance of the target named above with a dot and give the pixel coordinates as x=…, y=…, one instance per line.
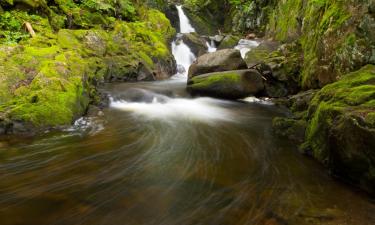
x=157, y=156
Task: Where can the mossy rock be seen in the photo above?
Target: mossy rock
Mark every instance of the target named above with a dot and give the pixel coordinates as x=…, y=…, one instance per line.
x=49, y=80
x=229, y=41
x=230, y=84
x=341, y=132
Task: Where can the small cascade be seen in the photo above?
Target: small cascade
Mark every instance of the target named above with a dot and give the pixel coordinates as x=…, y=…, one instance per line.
x=182, y=53
x=246, y=45
x=184, y=58
x=211, y=46
x=185, y=26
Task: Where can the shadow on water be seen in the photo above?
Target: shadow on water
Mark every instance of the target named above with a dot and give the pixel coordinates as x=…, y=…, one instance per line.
x=158, y=157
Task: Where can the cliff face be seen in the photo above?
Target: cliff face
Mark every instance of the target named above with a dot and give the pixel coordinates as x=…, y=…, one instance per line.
x=49, y=79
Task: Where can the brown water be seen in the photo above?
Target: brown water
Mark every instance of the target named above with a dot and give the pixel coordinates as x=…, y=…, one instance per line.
x=171, y=161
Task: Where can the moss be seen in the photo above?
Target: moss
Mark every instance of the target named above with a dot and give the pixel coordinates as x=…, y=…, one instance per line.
x=215, y=79
x=323, y=33
x=289, y=128
x=285, y=22
x=229, y=41
x=50, y=79
x=353, y=95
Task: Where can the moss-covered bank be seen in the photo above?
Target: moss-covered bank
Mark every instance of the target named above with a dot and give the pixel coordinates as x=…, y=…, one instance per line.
x=50, y=79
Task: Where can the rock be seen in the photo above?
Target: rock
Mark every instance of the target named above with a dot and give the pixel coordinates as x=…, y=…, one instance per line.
x=281, y=67
x=290, y=128
x=352, y=145
x=230, y=41
x=229, y=84
x=196, y=44
x=261, y=53
x=251, y=36
x=172, y=14
x=223, y=60
x=341, y=128
x=217, y=38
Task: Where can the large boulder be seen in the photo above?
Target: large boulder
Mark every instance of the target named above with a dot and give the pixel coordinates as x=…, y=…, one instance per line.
x=229, y=84
x=341, y=127
x=223, y=60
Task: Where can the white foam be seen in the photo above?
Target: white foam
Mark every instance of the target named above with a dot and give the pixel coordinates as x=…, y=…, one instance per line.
x=265, y=101
x=211, y=46
x=200, y=109
x=184, y=58
x=245, y=46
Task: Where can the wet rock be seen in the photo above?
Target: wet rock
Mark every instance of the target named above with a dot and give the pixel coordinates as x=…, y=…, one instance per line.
x=218, y=38
x=251, y=36
x=229, y=41
x=172, y=14
x=230, y=84
x=261, y=53
x=223, y=60
x=341, y=129
x=290, y=128
x=196, y=43
x=352, y=144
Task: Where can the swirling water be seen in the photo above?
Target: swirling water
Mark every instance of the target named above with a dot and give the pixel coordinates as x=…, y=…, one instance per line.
x=158, y=157
x=161, y=157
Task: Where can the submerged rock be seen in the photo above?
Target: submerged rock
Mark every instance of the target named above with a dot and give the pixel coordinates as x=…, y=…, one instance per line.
x=223, y=60
x=230, y=84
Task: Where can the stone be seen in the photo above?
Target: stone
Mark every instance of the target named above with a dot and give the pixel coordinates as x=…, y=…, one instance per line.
x=229, y=84
x=223, y=60
x=196, y=44
x=229, y=41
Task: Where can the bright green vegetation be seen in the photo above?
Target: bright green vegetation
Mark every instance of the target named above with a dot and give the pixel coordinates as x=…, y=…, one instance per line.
x=50, y=79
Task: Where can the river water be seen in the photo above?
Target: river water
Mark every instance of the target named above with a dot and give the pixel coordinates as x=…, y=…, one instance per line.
x=156, y=156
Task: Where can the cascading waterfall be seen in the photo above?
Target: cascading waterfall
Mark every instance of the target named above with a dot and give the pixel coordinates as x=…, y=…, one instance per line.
x=153, y=106
x=185, y=26
x=183, y=55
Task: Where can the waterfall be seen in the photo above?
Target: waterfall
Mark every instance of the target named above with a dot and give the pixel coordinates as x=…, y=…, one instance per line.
x=184, y=58
x=185, y=26
x=211, y=46
x=245, y=46
x=183, y=55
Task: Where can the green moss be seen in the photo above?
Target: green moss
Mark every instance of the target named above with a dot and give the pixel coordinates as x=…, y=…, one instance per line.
x=353, y=94
x=285, y=20
x=213, y=79
x=49, y=80
x=324, y=21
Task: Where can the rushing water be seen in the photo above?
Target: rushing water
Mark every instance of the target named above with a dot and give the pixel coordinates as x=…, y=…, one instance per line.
x=184, y=58
x=211, y=46
x=158, y=157
x=185, y=26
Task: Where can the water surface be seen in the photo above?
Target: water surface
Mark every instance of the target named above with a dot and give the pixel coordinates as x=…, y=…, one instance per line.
x=159, y=157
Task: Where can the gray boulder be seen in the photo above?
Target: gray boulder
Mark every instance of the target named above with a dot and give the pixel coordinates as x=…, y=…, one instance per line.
x=223, y=60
